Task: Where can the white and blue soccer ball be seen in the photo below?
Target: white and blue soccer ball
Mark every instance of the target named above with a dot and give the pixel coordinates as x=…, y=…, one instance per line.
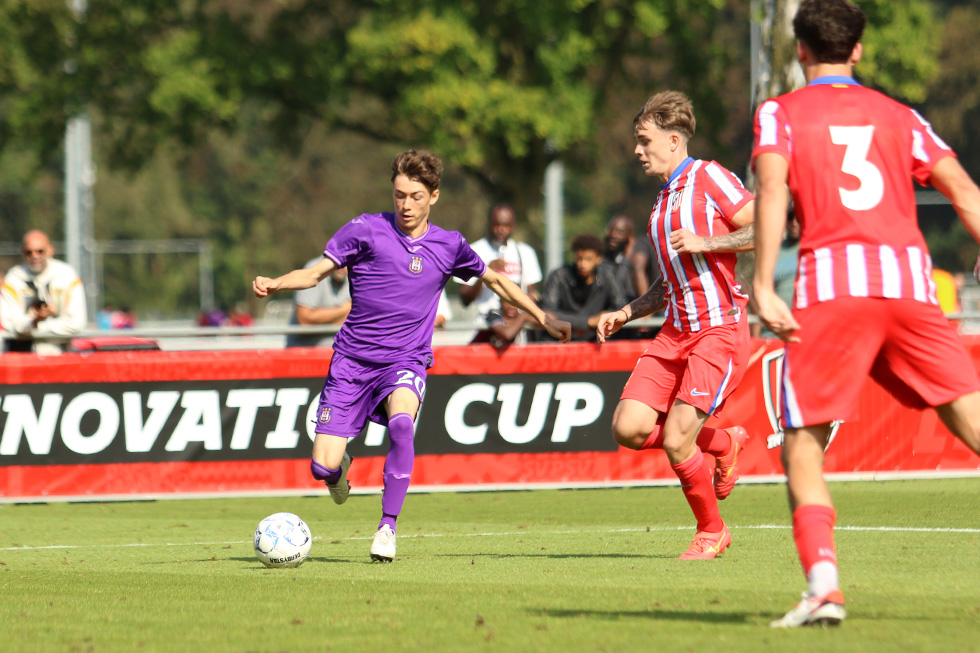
x=282, y=540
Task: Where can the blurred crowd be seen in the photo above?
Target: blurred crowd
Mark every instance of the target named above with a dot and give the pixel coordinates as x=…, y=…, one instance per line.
x=43, y=296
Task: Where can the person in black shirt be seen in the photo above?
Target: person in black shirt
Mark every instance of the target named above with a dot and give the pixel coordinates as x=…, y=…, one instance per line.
x=583, y=291
x=619, y=243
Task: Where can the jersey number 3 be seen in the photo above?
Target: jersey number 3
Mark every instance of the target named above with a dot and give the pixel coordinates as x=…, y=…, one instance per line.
x=857, y=140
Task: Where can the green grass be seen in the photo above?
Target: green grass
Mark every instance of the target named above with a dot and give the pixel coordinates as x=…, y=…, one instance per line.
x=506, y=571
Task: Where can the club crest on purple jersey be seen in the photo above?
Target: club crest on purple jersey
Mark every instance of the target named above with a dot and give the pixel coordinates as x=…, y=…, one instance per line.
x=325, y=415
x=416, y=265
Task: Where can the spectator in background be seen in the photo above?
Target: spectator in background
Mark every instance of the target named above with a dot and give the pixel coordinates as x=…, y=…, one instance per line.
x=103, y=319
x=238, y=316
x=504, y=328
x=515, y=260
x=443, y=311
x=211, y=317
x=645, y=273
x=643, y=266
x=328, y=302
x=123, y=319
x=581, y=292
x=41, y=297
x=619, y=243
x=785, y=272
x=946, y=292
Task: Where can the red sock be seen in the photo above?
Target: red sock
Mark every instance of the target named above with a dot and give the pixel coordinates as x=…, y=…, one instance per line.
x=813, y=532
x=716, y=442
x=695, y=479
x=655, y=440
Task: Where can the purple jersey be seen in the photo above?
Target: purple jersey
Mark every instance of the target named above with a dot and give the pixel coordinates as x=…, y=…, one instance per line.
x=395, y=283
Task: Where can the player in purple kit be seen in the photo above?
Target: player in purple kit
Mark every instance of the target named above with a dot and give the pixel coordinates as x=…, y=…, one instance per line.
x=398, y=265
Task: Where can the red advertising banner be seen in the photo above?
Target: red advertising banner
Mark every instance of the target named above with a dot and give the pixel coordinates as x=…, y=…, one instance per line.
x=157, y=424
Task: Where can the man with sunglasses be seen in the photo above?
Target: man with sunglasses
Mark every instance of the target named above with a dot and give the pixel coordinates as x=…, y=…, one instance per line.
x=41, y=297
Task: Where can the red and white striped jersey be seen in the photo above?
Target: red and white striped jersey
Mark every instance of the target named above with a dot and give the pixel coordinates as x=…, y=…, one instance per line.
x=851, y=152
x=703, y=197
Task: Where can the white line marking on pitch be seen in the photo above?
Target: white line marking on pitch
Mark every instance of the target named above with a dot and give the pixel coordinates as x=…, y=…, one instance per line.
x=883, y=529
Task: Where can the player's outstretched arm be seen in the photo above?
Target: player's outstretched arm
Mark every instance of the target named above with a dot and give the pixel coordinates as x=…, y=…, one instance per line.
x=646, y=304
x=740, y=240
x=511, y=293
x=295, y=280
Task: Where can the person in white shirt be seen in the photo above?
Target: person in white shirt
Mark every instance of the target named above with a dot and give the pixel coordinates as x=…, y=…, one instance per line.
x=328, y=302
x=516, y=260
x=444, y=311
x=41, y=297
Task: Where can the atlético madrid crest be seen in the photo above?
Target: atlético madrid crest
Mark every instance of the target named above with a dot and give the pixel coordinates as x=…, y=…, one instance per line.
x=772, y=374
x=325, y=415
x=416, y=264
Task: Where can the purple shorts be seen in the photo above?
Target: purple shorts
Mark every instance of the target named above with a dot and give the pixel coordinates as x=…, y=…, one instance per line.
x=354, y=390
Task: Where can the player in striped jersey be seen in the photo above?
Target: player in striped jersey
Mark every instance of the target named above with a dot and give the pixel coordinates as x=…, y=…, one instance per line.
x=864, y=303
x=702, y=217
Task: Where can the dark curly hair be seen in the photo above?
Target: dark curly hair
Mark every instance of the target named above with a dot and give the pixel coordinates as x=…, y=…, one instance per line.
x=829, y=28
x=587, y=242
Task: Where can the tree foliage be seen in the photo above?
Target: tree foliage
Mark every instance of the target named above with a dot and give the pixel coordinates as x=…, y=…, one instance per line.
x=901, y=45
x=254, y=123
x=501, y=87
x=36, y=92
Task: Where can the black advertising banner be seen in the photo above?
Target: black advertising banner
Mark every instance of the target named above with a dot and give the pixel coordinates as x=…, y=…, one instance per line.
x=123, y=425
x=519, y=413
x=263, y=419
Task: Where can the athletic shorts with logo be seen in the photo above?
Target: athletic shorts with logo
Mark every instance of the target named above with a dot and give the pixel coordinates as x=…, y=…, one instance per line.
x=907, y=346
x=354, y=390
x=700, y=368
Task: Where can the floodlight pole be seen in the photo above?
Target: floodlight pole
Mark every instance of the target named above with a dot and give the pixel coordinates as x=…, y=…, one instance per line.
x=79, y=205
x=773, y=50
x=554, y=210
x=79, y=198
x=774, y=69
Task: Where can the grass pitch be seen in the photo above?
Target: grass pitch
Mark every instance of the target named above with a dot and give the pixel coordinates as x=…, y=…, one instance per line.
x=592, y=570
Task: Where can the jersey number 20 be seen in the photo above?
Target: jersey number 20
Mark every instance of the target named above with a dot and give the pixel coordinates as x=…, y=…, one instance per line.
x=857, y=140
x=409, y=378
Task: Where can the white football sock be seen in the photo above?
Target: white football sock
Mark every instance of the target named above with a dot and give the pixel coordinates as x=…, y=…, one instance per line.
x=822, y=578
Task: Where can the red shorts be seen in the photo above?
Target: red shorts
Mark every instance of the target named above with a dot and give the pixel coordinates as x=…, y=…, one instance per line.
x=700, y=368
x=907, y=346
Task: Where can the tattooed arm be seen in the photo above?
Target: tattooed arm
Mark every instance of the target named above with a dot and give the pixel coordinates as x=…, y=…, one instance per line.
x=740, y=240
x=647, y=304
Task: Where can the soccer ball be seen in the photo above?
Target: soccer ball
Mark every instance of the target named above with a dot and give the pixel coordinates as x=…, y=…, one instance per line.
x=282, y=540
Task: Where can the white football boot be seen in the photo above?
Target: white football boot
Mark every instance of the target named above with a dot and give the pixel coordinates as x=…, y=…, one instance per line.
x=383, y=546
x=825, y=610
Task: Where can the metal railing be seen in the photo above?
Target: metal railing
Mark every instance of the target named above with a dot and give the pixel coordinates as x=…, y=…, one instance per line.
x=199, y=337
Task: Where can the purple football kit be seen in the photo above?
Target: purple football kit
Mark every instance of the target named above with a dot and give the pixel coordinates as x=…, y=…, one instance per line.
x=386, y=341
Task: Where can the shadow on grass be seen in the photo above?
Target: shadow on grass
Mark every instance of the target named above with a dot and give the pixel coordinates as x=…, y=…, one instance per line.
x=538, y=554
x=312, y=559
x=660, y=615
